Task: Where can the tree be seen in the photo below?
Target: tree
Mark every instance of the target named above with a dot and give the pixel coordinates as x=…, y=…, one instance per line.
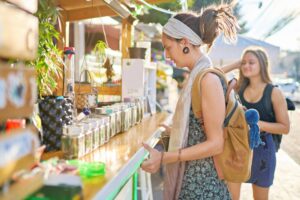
x=297, y=68
x=195, y=5
x=242, y=23
x=154, y=16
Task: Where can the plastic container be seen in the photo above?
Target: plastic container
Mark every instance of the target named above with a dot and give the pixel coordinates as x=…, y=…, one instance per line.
x=88, y=169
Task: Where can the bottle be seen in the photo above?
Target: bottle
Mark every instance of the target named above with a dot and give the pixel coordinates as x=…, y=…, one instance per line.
x=69, y=59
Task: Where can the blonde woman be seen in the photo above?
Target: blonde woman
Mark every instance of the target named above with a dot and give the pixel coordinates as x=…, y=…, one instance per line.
x=256, y=91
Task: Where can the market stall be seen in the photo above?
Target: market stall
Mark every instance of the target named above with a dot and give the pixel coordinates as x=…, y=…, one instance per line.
x=109, y=136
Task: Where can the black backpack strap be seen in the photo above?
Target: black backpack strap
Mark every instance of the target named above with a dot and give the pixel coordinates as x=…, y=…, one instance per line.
x=276, y=137
x=268, y=98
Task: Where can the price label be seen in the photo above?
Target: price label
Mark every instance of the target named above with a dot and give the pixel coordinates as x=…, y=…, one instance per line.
x=15, y=146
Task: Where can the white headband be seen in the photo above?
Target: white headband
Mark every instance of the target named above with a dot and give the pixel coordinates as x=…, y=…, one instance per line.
x=178, y=30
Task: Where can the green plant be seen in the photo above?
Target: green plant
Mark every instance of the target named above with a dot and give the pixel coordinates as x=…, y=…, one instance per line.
x=99, y=50
x=49, y=59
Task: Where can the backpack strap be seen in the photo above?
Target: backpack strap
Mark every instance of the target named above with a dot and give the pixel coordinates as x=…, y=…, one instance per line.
x=268, y=92
x=268, y=96
x=196, y=90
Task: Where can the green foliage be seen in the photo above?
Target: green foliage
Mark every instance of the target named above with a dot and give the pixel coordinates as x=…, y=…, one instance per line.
x=99, y=50
x=199, y=4
x=242, y=23
x=49, y=61
x=138, y=10
x=154, y=16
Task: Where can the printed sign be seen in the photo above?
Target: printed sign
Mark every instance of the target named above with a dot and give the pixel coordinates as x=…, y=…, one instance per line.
x=15, y=146
x=17, y=150
x=18, y=92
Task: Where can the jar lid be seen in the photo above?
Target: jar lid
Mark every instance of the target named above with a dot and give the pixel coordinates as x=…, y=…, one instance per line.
x=100, y=110
x=86, y=126
x=92, y=169
x=105, y=120
x=75, y=129
x=94, y=122
x=108, y=111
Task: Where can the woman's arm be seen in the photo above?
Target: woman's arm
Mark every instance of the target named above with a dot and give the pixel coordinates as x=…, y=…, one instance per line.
x=232, y=66
x=213, y=109
x=213, y=114
x=282, y=124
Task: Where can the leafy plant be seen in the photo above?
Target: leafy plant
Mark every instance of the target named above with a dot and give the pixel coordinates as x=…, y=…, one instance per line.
x=49, y=59
x=99, y=50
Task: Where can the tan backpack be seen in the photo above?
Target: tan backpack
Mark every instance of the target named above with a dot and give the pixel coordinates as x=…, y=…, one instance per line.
x=234, y=163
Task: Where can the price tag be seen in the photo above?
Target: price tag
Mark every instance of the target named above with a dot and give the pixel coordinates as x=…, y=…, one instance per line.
x=15, y=146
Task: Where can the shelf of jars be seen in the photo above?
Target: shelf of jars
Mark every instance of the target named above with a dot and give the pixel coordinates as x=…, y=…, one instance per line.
x=116, y=144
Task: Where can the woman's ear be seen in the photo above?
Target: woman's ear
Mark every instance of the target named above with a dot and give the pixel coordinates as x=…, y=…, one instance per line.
x=184, y=42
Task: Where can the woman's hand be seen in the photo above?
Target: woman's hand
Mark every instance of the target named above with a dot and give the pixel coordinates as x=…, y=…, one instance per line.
x=232, y=66
x=152, y=164
x=168, y=128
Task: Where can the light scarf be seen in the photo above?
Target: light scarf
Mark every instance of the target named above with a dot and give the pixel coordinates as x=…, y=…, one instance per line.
x=179, y=132
x=178, y=30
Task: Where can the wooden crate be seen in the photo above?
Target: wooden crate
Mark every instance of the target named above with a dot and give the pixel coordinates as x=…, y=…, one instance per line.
x=18, y=33
x=18, y=92
x=18, y=151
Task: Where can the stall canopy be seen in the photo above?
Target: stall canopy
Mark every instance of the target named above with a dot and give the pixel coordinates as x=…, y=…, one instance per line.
x=223, y=53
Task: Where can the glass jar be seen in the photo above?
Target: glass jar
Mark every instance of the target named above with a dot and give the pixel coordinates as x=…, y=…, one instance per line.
x=73, y=142
x=116, y=110
x=107, y=111
x=133, y=113
x=95, y=132
x=125, y=118
x=88, y=137
x=138, y=110
x=105, y=131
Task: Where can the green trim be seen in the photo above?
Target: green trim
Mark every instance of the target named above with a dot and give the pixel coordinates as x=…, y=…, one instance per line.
x=124, y=181
x=135, y=185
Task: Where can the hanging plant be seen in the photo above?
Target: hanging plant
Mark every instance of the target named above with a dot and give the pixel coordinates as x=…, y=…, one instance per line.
x=49, y=59
x=99, y=51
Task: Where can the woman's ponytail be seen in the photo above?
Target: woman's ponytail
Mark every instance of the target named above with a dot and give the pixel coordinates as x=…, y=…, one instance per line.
x=215, y=20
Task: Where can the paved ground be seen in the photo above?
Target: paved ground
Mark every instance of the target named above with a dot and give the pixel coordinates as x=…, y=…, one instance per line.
x=291, y=142
x=286, y=184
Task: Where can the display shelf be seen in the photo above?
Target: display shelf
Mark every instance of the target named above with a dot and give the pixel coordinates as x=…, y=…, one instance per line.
x=122, y=156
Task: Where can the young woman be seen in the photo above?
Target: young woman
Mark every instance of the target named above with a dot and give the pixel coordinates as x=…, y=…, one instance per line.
x=190, y=171
x=256, y=91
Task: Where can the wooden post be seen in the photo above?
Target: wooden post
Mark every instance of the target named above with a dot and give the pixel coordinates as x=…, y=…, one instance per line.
x=126, y=37
x=61, y=43
x=62, y=30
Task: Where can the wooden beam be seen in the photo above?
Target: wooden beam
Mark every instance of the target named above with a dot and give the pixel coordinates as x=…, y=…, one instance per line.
x=102, y=90
x=159, y=1
x=78, y=4
x=126, y=37
x=129, y=2
x=62, y=30
x=87, y=13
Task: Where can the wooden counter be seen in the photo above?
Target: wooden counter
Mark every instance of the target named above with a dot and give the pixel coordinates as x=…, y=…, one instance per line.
x=122, y=155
